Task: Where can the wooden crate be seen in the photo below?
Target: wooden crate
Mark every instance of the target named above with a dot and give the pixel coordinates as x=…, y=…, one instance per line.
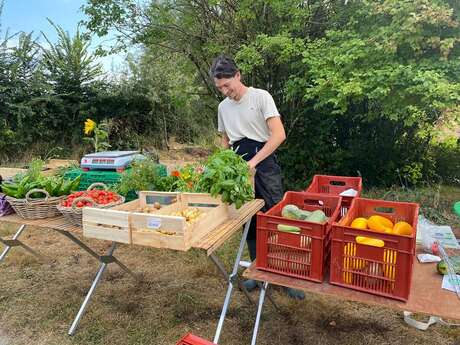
x=7, y=173
x=50, y=168
x=126, y=224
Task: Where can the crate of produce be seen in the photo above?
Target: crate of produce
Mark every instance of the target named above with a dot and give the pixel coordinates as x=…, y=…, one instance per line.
x=335, y=185
x=191, y=339
x=373, y=247
x=72, y=206
x=158, y=219
x=109, y=178
x=293, y=236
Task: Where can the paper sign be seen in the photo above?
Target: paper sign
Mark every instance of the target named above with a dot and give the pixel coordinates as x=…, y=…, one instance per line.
x=153, y=223
x=449, y=284
x=349, y=192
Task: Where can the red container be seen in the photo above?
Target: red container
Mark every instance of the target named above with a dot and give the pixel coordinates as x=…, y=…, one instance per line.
x=301, y=255
x=384, y=270
x=191, y=339
x=335, y=185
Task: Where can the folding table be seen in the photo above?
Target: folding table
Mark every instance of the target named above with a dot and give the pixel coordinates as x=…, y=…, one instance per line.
x=426, y=295
x=209, y=244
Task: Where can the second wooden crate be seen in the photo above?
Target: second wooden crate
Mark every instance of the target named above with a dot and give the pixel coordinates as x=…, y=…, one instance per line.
x=158, y=219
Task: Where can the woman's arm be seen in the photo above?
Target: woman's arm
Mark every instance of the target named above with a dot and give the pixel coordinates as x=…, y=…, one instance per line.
x=225, y=140
x=277, y=137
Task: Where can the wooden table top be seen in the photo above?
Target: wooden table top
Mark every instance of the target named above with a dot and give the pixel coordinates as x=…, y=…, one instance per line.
x=209, y=243
x=57, y=223
x=426, y=295
x=217, y=237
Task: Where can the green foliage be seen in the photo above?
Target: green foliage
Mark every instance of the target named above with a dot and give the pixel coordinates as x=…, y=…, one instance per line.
x=227, y=174
x=363, y=86
x=363, y=97
x=224, y=174
x=33, y=179
x=143, y=175
x=43, y=91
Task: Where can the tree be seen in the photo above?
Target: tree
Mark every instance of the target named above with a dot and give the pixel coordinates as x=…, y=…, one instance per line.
x=70, y=70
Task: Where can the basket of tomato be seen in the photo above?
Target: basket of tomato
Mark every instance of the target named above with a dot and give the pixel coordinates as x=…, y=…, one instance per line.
x=72, y=206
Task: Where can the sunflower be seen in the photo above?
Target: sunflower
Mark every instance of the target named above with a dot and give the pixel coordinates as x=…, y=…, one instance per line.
x=89, y=126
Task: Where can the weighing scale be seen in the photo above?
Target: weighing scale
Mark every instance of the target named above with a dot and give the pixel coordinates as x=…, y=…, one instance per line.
x=113, y=160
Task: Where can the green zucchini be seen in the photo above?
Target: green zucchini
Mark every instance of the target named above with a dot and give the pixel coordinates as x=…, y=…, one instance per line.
x=289, y=228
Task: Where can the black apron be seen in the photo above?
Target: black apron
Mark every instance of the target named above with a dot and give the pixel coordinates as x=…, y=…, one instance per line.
x=268, y=182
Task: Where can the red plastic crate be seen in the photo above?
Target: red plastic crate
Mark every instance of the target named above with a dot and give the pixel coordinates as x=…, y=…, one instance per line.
x=384, y=271
x=335, y=185
x=191, y=339
x=301, y=255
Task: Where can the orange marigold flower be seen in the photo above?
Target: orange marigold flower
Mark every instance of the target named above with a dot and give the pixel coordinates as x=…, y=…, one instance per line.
x=175, y=173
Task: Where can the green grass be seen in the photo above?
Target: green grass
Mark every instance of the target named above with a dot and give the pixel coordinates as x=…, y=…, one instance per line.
x=436, y=202
x=184, y=292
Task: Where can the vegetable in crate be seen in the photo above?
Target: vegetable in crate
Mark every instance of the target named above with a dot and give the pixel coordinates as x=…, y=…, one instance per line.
x=288, y=228
x=293, y=212
x=55, y=186
x=101, y=197
x=227, y=174
x=381, y=224
x=33, y=178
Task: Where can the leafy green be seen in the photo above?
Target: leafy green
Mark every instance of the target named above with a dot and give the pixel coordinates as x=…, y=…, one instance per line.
x=34, y=179
x=227, y=174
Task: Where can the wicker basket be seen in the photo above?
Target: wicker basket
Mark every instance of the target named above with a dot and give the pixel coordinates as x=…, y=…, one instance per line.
x=74, y=214
x=28, y=208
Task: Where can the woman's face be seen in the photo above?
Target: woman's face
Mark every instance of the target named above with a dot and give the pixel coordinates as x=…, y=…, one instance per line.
x=229, y=87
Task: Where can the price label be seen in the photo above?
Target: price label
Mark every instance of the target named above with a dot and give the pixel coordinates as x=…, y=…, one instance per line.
x=153, y=223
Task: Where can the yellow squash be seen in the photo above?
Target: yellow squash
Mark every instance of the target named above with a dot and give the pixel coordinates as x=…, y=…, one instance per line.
x=359, y=223
x=403, y=228
x=380, y=224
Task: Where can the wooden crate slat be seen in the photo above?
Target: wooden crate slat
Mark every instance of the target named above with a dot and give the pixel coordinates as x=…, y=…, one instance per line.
x=122, y=235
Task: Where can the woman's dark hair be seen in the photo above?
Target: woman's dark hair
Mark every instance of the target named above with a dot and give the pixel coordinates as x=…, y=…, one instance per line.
x=223, y=67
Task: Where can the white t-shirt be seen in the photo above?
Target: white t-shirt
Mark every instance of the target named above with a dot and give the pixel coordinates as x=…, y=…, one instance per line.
x=247, y=118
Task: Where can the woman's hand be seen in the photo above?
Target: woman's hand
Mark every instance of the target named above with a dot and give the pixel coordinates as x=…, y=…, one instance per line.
x=252, y=165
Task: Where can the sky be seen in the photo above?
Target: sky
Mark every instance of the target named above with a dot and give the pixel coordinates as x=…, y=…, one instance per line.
x=31, y=15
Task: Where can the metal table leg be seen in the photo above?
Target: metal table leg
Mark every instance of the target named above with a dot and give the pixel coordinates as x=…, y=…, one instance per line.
x=263, y=290
x=221, y=268
x=105, y=260
x=14, y=242
x=96, y=280
x=231, y=280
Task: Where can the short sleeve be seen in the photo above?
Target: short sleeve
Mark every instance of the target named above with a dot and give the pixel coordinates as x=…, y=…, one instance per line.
x=268, y=106
x=220, y=121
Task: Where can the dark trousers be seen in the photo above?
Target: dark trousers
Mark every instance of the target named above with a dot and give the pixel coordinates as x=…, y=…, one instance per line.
x=268, y=183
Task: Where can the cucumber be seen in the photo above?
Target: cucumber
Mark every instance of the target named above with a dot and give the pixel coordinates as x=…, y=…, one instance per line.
x=288, y=228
